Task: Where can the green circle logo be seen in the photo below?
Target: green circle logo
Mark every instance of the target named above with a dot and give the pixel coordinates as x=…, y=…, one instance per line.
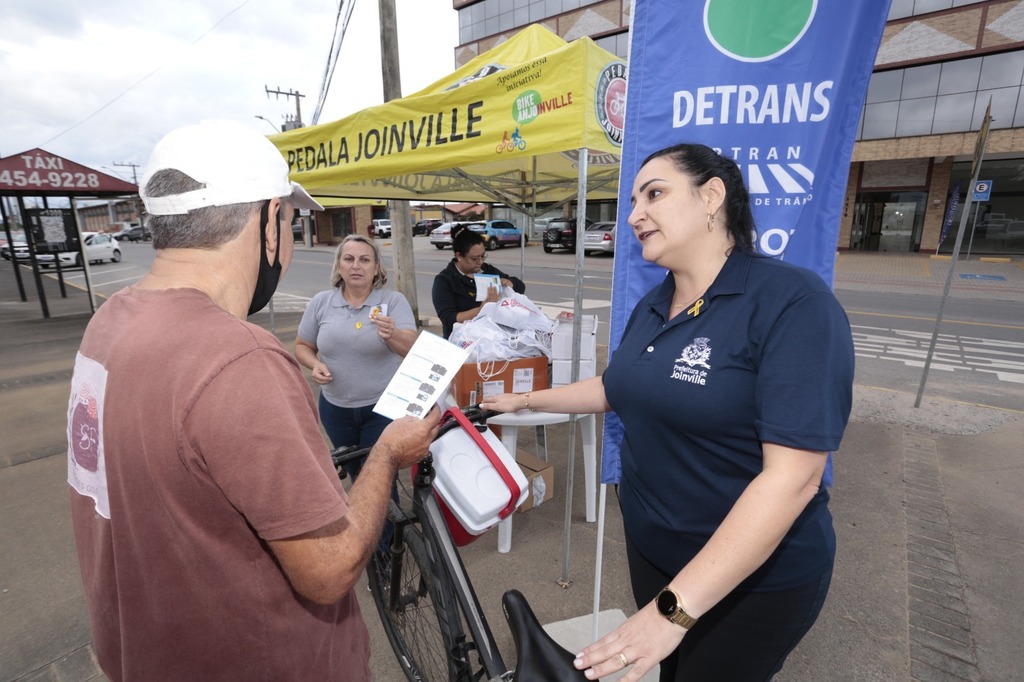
x=526, y=107
x=757, y=30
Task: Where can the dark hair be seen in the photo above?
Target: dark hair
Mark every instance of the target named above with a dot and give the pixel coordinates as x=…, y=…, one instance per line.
x=201, y=228
x=701, y=163
x=463, y=239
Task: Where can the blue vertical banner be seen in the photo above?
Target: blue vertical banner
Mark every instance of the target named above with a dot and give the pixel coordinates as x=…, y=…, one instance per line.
x=776, y=85
x=947, y=221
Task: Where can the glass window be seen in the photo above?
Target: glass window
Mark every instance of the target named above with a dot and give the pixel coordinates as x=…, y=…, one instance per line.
x=900, y=9
x=521, y=17
x=569, y=5
x=925, y=6
x=505, y=6
x=1001, y=70
x=1004, y=104
x=880, y=120
x=491, y=26
x=915, y=117
x=885, y=86
x=617, y=44
x=1018, y=116
x=505, y=22
x=961, y=76
x=921, y=81
x=537, y=11
x=953, y=113
x=552, y=7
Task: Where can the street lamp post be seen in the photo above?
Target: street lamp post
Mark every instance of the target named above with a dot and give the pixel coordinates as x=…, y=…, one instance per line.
x=269, y=122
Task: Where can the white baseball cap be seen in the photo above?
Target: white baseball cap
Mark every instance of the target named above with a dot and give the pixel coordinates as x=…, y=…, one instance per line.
x=237, y=164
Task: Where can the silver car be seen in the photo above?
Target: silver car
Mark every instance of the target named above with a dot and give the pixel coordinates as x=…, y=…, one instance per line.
x=599, y=238
x=442, y=236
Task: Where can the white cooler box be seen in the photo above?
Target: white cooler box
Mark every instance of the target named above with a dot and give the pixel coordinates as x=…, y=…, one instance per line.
x=478, y=481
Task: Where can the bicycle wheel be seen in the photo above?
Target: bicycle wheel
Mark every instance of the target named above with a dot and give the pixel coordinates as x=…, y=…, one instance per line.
x=422, y=619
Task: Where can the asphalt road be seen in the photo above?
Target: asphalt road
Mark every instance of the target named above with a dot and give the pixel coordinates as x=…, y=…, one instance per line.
x=978, y=357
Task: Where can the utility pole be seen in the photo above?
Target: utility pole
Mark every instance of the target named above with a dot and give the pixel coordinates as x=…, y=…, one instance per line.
x=297, y=121
x=401, y=225
x=135, y=181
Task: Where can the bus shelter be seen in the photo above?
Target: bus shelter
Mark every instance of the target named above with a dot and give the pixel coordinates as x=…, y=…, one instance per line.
x=49, y=231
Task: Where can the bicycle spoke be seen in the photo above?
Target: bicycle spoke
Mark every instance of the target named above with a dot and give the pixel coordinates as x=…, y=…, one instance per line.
x=417, y=609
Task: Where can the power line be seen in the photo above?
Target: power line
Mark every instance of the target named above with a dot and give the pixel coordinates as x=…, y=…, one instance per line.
x=340, y=27
x=143, y=79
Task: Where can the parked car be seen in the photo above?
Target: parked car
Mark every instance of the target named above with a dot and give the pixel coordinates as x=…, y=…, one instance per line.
x=137, y=233
x=442, y=236
x=20, y=250
x=498, y=233
x=98, y=248
x=297, y=235
x=561, y=234
x=122, y=235
x=423, y=227
x=381, y=227
x=599, y=238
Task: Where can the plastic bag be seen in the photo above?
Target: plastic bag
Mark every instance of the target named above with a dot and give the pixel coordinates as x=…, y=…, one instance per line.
x=519, y=312
x=528, y=336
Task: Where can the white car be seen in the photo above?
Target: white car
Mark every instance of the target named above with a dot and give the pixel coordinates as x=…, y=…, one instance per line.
x=382, y=228
x=98, y=248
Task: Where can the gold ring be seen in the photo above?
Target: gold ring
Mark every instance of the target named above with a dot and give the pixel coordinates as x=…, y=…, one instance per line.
x=622, y=657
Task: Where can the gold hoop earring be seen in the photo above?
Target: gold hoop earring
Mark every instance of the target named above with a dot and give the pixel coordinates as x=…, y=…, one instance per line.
x=711, y=222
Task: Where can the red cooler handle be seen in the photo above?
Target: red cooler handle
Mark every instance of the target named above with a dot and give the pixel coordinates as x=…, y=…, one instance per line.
x=485, y=447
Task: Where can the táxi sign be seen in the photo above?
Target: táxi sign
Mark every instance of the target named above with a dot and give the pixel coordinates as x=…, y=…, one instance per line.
x=40, y=172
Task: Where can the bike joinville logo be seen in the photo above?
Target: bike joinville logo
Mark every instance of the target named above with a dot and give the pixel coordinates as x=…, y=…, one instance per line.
x=780, y=24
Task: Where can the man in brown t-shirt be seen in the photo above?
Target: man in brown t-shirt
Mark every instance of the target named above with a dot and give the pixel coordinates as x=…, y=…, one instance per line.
x=214, y=538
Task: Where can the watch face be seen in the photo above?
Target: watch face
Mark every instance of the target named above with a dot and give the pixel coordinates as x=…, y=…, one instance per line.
x=666, y=603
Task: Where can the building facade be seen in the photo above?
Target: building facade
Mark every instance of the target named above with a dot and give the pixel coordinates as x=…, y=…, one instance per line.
x=939, y=64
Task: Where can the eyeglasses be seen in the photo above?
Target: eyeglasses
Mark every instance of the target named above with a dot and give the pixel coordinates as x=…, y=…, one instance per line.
x=476, y=259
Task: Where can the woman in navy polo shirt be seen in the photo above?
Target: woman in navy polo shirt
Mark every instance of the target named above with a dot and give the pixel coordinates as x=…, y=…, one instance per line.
x=733, y=382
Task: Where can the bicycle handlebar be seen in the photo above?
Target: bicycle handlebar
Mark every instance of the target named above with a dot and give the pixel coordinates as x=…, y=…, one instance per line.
x=347, y=454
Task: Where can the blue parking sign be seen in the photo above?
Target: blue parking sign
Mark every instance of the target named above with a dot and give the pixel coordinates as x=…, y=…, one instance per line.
x=982, y=190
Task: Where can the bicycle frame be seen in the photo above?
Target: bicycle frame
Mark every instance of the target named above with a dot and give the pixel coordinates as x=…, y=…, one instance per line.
x=432, y=521
x=434, y=556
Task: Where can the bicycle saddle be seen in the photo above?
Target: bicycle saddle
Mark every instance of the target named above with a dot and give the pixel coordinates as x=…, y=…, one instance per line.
x=538, y=657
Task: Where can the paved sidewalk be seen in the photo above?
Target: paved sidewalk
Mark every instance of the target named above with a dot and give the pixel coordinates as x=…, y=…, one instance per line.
x=927, y=507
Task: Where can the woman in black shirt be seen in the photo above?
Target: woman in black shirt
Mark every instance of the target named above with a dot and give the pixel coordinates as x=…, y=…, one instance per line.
x=454, y=292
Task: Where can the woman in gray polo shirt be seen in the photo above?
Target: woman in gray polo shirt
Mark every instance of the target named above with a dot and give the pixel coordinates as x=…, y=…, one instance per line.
x=353, y=337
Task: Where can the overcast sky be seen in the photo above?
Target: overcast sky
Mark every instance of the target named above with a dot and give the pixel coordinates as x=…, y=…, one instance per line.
x=101, y=81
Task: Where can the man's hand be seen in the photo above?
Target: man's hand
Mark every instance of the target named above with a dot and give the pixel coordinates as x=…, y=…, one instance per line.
x=405, y=441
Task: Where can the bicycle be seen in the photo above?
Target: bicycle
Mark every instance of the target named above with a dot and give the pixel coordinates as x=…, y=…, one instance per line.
x=425, y=598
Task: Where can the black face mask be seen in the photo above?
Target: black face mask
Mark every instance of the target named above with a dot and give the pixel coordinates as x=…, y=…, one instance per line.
x=266, y=280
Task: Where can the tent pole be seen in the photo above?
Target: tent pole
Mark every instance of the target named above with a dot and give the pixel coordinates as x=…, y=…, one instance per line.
x=602, y=500
x=577, y=333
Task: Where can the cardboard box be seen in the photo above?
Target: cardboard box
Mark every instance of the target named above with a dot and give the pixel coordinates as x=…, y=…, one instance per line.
x=517, y=376
x=561, y=371
x=540, y=480
x=561, y=338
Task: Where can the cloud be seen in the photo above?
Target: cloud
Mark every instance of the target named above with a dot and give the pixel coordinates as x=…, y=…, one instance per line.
x=100, y=83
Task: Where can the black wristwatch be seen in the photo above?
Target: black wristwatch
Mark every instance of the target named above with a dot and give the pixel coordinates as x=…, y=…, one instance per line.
x=670, y=606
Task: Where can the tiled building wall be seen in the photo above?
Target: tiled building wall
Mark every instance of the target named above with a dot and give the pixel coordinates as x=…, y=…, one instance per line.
x=938, y=187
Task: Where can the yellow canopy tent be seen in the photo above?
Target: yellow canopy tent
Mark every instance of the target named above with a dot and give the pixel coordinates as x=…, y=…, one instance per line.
x=509, y=127
x=533, y=120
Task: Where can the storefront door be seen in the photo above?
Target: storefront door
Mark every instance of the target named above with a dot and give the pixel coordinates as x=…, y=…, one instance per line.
x=888, y=221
